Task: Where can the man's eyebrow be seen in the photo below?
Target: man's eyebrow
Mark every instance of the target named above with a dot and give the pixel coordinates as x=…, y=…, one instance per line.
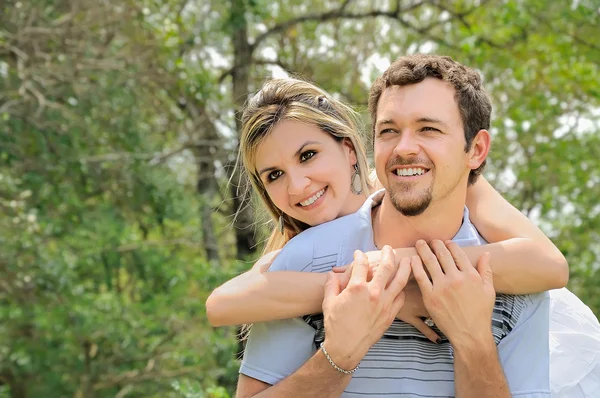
x=385, y=121
x=298, y=152
x=431, y=120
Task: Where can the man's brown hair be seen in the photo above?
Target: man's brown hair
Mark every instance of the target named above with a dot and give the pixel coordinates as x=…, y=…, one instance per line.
x=474, y=103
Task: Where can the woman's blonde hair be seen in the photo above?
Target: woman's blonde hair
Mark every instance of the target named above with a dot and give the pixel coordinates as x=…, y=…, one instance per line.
x=301, y=101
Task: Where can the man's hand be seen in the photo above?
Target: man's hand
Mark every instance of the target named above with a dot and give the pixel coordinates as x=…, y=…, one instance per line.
x=459, y=297
x=413, y=309
x=356, y=317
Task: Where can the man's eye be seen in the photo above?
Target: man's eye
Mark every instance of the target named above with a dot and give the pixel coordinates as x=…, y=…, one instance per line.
x=274, y=175
x=385, y=131
x=307, y=155
x=427, y=128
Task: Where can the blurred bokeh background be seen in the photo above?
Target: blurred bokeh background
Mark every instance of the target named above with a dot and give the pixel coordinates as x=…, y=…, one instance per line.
x=118, y=130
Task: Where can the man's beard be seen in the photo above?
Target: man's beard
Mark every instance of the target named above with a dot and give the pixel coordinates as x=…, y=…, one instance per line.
x=411, y=208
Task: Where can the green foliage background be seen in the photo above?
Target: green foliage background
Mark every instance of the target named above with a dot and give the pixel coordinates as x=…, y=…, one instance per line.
x=118, y=130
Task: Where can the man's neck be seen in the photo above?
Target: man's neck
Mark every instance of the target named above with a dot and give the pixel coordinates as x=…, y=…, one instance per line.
x=441, y=220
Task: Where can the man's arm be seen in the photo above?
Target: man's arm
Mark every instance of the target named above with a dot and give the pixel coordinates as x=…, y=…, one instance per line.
x=355, y=318
x=460, y=299
x=316, y=378
x=477, y=370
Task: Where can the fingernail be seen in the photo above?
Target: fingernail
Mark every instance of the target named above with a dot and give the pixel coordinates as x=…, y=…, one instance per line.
x=439, y=340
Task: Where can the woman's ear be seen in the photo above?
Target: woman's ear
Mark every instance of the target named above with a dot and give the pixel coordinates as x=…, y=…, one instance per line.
x=480, y=147
x=349, y=150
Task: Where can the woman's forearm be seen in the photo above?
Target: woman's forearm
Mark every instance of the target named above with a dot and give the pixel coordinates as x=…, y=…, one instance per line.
x=524, y=260
x=258, y=297
x=520, y=265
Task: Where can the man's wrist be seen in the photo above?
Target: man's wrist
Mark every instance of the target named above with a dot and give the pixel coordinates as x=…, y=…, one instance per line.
x=474, y=345
x=341, y=357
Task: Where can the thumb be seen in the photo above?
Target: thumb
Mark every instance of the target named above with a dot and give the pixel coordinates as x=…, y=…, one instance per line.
x=485, y=270
x=332, y=286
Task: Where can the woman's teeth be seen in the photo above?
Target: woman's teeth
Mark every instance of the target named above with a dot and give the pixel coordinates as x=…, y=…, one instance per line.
x=312, y=199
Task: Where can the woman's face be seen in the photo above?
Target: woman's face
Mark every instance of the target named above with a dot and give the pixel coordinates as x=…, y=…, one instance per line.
x=307, y=173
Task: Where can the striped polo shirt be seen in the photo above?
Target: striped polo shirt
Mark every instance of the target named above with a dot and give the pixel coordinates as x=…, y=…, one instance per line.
x=403, y=363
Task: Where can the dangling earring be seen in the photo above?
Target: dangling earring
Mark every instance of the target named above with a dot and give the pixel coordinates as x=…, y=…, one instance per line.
x=355, y=183
x=280, y=224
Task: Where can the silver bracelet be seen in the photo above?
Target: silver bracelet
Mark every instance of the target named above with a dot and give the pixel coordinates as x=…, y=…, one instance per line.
x=346, y=372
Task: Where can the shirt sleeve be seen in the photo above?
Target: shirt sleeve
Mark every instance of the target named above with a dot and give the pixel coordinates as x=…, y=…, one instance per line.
x=525, y=352
x=276, y=349
x=296, y=255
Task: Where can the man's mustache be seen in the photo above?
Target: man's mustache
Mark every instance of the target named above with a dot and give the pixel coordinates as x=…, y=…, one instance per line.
x=400, y=161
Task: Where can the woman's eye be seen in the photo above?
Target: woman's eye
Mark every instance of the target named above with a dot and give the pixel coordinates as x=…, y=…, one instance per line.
x=272, y=176
x=307, y=155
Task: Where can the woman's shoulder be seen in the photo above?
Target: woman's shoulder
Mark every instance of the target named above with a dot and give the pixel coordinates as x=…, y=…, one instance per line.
x=320, y=242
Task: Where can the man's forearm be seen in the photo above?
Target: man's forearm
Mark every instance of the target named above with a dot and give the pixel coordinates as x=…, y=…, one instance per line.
x=316, y=378
x=477, y=371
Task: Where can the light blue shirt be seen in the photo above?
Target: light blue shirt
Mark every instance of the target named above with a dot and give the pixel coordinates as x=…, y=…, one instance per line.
x=403, y=362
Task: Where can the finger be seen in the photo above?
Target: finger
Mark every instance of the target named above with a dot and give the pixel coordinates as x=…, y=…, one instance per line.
x=401, y=278
x=460, y=258
x=421, y=276
x=360, y=268
x=423, y=328
x=386, y=269
x=429, y=259
x=344, y=278
x=341, y=269
x=485, y=270
x=332, y=287
x=398, y=302
x=444, y=257
x=372, y=269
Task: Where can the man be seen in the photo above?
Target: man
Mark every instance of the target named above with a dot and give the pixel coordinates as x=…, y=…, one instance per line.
x=430, y=119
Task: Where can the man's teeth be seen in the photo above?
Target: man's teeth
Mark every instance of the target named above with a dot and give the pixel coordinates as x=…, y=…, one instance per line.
x=312, y=199
x=417, y=171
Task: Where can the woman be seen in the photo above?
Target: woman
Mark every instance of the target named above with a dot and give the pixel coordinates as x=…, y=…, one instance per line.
x=303, y=130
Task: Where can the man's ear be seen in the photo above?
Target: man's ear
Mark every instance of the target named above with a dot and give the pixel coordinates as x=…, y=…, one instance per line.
x=347, y=145
x=480, y=147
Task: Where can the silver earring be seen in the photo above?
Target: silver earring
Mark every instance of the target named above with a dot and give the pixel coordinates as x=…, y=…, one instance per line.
x=355, y=183
x=280, y=225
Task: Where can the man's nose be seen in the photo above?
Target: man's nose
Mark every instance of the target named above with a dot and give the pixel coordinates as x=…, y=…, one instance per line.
x=407, y=145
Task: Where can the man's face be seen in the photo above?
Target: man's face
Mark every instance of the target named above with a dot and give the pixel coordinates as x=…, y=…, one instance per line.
x=419, y=145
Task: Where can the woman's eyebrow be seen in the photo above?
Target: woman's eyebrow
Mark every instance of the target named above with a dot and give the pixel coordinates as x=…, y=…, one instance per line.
x=298, y=152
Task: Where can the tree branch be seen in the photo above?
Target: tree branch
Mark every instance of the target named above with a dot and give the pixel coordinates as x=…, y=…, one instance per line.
x=338, y=13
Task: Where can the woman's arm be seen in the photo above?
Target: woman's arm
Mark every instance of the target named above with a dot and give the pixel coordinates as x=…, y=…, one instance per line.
x=259, y=296
x=256, y=296
x=524, y=260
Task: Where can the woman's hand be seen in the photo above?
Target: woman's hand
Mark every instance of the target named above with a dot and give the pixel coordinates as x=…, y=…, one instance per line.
x=413, y=311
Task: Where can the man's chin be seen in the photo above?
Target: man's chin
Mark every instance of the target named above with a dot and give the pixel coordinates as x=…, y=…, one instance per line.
x=412, y=211
x=411, y=208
